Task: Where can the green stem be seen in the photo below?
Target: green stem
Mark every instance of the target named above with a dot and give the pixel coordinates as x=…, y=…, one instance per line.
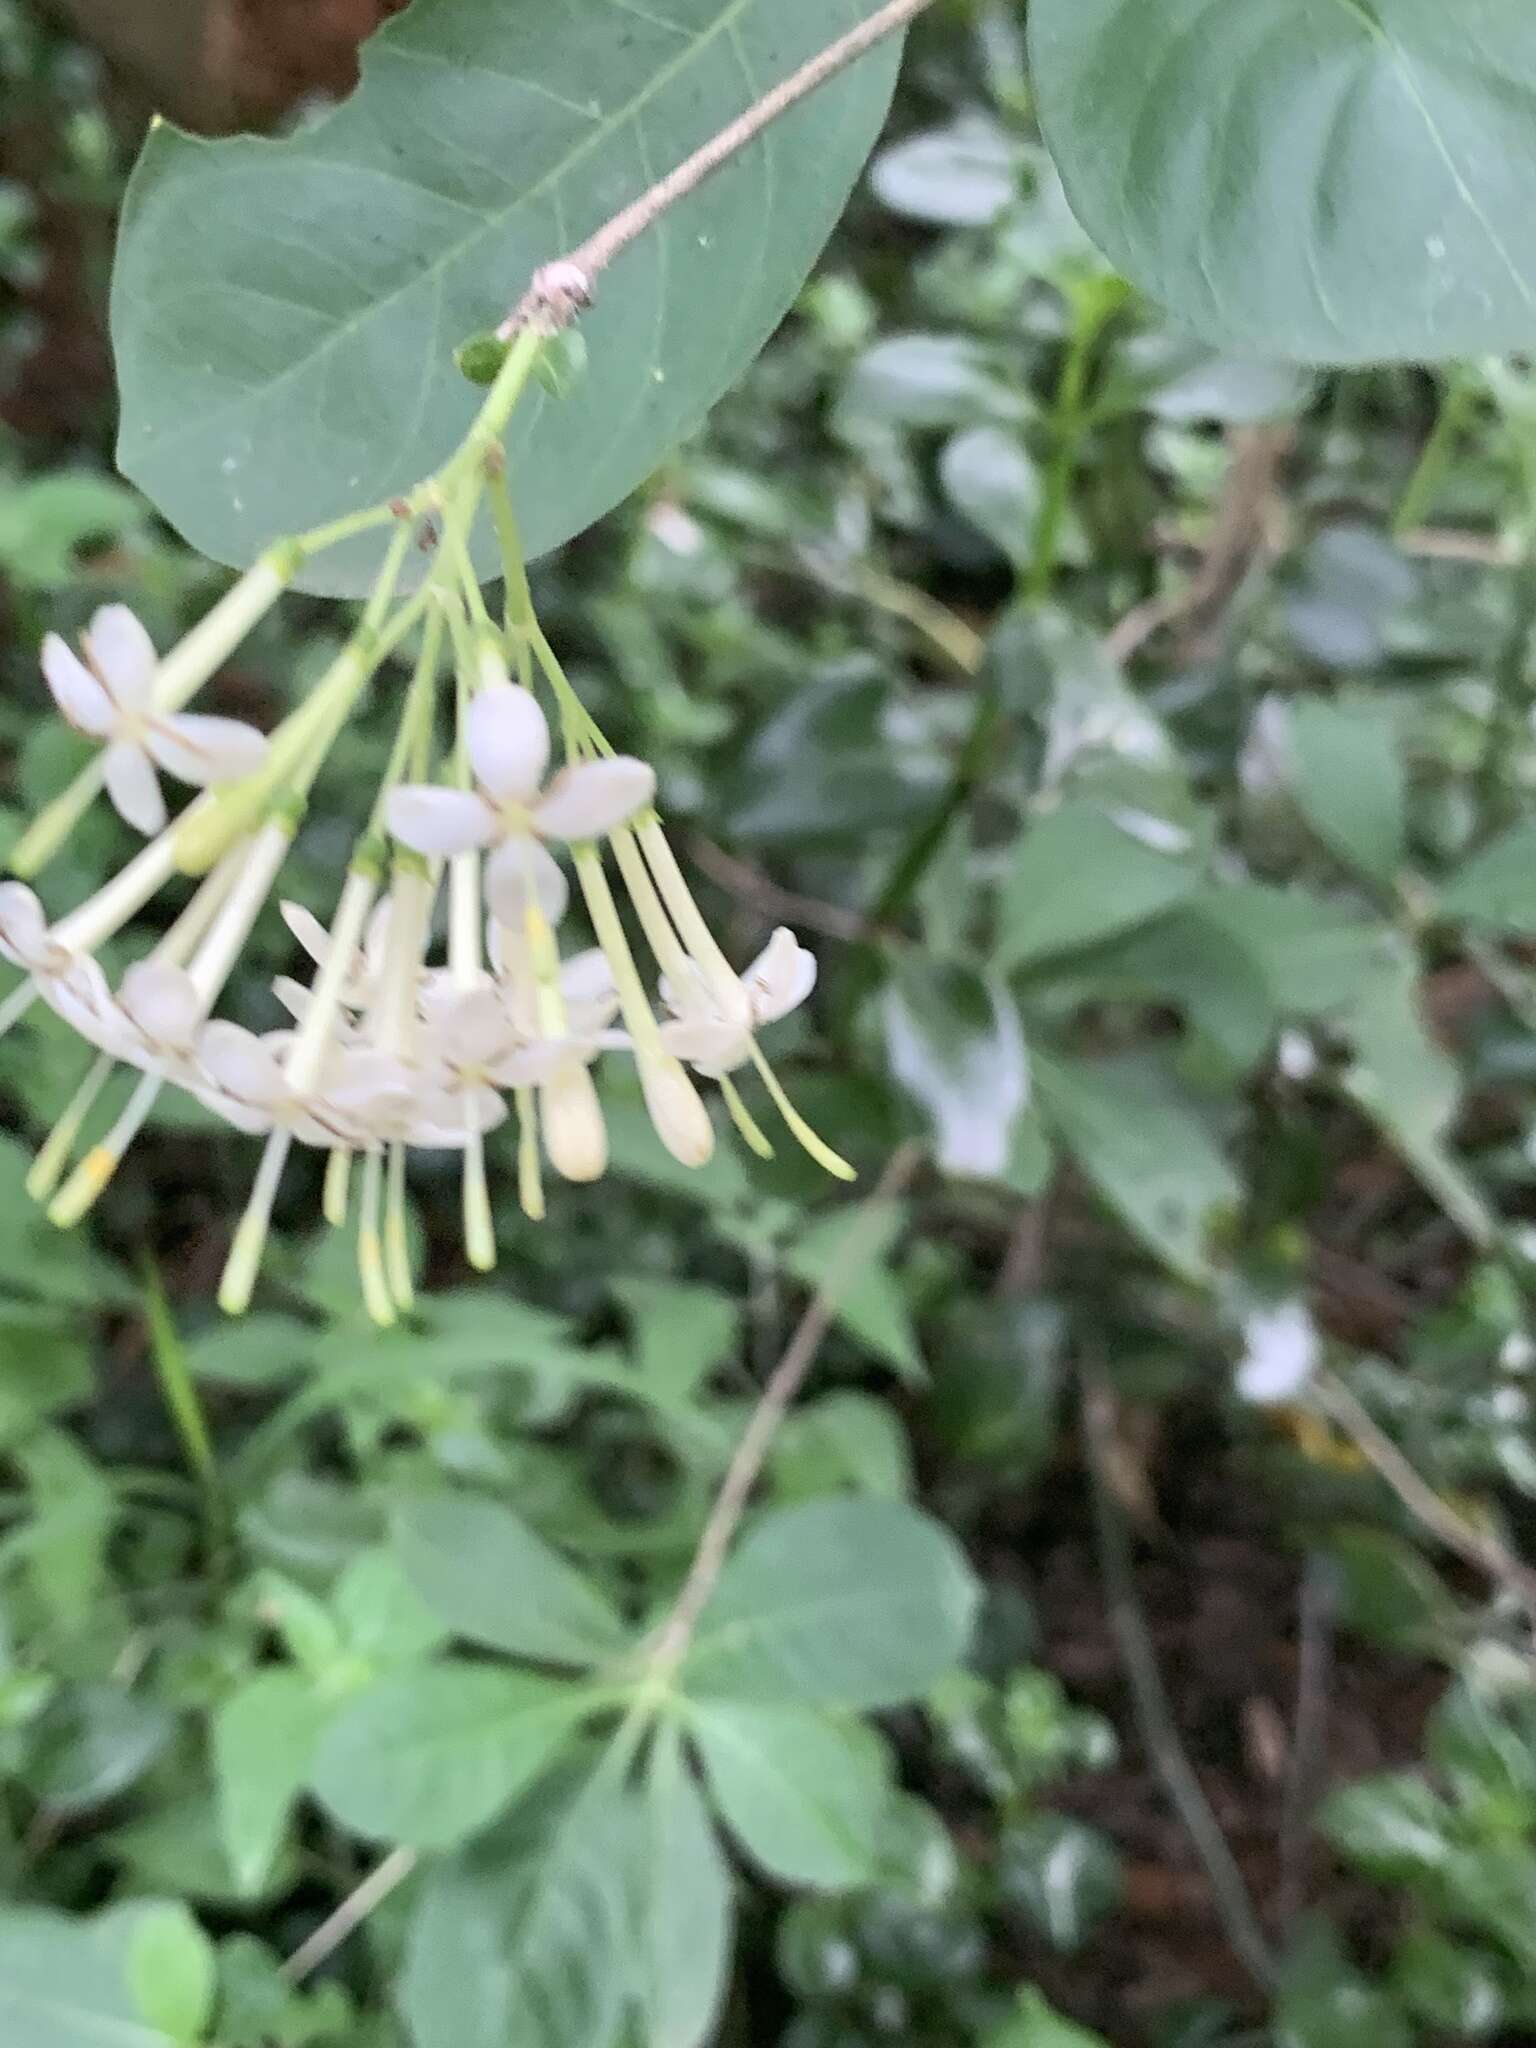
x=182, y=1401
x=1429, y=471
x=1067, y=428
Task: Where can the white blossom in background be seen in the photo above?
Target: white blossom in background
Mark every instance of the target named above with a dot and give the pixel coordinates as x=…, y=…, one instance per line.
x=1281, y=1353
x=110, y=696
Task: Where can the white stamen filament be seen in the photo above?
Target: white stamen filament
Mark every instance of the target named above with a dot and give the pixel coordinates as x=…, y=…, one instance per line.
x=231, y=928
x=53, y=1154
x=338, y=1187
x=377, y=1298
x=397, y=1250
x=244, y=1262
x=102, y=1161
x=721, y=977
x=530, y=1178
x=16, y=1005
x=392, y=1016
x=103, y=915
x=302, y=1069
x=819, y=1150
x=751, y=1130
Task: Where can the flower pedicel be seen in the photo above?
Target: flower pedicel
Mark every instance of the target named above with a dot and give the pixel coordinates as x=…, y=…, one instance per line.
x=387, y=1048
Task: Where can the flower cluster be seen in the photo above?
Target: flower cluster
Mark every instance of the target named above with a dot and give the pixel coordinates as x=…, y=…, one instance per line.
x=443, y=999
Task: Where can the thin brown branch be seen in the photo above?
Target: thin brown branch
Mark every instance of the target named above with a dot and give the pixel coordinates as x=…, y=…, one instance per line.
x=562, y=289
x=1479, y=1547
x=350, y=1914
x=740, y=879
x=783, y=1384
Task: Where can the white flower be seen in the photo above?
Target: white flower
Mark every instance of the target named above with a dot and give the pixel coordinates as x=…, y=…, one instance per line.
x=110, y=696
x=360, y=1091
x=24, y=935
x=360, y=983
x=507, y=739
x=1282, y=1353
x=778, y=981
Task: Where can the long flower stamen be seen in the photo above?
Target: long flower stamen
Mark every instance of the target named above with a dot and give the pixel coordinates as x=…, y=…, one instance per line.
x=244, y=1262
x=54, y=1153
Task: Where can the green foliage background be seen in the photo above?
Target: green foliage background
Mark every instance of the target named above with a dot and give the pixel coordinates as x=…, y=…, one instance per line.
x=1146, y=732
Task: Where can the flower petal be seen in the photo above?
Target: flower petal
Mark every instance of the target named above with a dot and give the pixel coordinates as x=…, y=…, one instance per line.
x=521, y=871
x=75, y=690
x=123, y=655
x=161, y=1001
x=587, y=977
x=135, y=789
x=707, y=1043
x=206, y=750
x=593, y=797
x=23, y=924
x=780, y=978
x=237, y=1060
x=308, y=930
x=432, y=819
x=508, y=741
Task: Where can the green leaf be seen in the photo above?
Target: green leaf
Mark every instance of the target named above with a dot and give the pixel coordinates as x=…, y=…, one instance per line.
x=954, y=1041
x=681, y=1332
x=855, y=1603
x=65, y=1983
x=1449, y=1985
x=93, y=1742
x=843, y=1440
x=870, y=1306
x=1145, y=1150
x=804, y=1795
x=1393, y=1827
x=1495, y=888
x=1078, y=877
x=47, y=520
x=426, y=1757
x=383, y=1619
x=1350, y=782
x=1035, y=2025
x=526, y=1938
x=1322, y=179
x=489, y=1578
x=990, y=476
x=682, y=1904
x=1064, y=1875
x=264, y=1739
x=286, y=314
x=961, y=176
x=171, y=1972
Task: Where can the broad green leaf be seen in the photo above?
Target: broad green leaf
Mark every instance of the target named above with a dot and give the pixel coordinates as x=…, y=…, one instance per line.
x=285, y=315
x=172, y=1972
x=1078, y=877
x=843, y=1440
x=1311, y=956
x=1348, y=584
x=804, y=1795
x=489, y=1578
x=923, y=381
x=92, y=1743
x=45, y=521
x=954, y=1041
x=1145, y=1149
x=1193, y=962
x=682, y=1904
x=426, y=1757
x=1495, y=888
x=1350, y=782
x=264, y=1739
x=383, y=1619
x=66, y=1983
x=855, y=1603
x=1453, y=1987
x=526, y=1938
x=1333, y=180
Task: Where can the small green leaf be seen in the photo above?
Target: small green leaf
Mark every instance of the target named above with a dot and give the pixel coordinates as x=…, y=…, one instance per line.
x=92, y=1743
x=1350, y=782
x=426, y=1757
x=1449, y=1985
x=805, y=1796
x=1035, y=2025
x=264, y=1738
x=870, y=1306
x=481, y=357
x=1394, y=1827
x=172, y=1972
x=681, y=1332
x=855, y=1603
x=383, y=1619
x=65, y=1983
x=682, y=1903
x=954, y=1042
x=990, y=476
x=1078, y=877
x=1062, y=1873
x=1145, y=1150
x=960, y=176
x=1495, y=888
x=489, y=1578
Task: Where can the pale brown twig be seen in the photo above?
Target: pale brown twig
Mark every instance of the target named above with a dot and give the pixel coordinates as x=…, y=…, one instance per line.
x=562, y=289
x=740, y=879
x=784, y=1383
x=350, y=1914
